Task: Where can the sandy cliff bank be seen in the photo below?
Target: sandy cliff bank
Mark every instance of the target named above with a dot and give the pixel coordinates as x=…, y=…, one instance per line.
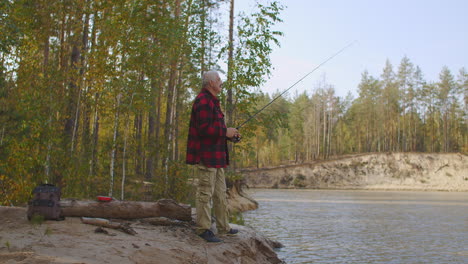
x=383, y=171
x=238, y=200
x=71, y=241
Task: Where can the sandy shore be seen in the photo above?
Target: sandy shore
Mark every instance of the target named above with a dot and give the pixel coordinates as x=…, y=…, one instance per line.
x=71, y=241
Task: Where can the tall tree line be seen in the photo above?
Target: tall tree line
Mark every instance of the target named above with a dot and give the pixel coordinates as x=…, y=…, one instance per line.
x=95, y=95
x=397, y=111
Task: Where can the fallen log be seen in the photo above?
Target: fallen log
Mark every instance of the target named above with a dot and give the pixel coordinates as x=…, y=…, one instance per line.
x=126, y=209
x=101, y=222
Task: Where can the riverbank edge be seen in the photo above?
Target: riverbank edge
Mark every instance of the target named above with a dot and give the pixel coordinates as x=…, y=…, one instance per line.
x=238, y=200
x=446, y=172
x=71, y=241
x=389, y=189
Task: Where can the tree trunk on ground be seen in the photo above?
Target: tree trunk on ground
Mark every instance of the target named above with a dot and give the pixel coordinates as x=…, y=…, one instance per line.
x=126, y=209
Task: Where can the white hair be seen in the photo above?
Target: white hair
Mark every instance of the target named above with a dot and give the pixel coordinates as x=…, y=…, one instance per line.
x=209, y=76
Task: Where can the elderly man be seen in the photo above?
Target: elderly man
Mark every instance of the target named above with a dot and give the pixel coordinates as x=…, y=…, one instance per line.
x=207, y=149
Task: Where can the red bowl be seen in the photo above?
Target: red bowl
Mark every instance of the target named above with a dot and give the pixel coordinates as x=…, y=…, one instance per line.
x=104, y=198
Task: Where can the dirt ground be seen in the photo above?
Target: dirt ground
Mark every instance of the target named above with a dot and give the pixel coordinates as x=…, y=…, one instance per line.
x=71, y=241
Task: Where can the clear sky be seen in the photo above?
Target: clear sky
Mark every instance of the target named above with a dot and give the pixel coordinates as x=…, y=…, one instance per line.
x=431, y=33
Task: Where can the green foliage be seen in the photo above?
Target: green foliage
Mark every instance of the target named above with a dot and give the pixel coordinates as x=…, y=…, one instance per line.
x=63, y=68
x=8, y=28
x=299, y=181
x=397, y=112
x=94, y=92
x=252, y=60
x=236, y=218
x=251, y=65
x=233, y=175
x=180, y=188
x=7, y=244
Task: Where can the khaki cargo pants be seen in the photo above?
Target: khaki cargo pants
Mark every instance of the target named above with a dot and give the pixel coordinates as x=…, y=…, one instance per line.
x=211, y=187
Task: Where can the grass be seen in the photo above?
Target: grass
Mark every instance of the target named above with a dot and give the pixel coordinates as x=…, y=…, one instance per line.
x=48, y=231
x=37, y=219
x=236, y=218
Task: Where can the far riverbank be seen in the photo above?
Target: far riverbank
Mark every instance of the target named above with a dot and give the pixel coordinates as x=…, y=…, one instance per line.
x=376, y=171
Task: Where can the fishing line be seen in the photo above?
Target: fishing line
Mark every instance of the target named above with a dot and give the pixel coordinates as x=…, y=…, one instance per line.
x=305, y=76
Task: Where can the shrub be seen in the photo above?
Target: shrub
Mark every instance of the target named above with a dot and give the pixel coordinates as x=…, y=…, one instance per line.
x=299, y=181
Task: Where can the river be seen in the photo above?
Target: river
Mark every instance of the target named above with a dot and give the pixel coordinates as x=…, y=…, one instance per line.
x=328, y=226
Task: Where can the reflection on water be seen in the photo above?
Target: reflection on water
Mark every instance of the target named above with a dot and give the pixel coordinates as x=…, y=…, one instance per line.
x=364, y=226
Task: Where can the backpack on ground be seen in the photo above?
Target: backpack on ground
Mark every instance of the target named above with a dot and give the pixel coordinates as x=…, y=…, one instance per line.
x=46, y=202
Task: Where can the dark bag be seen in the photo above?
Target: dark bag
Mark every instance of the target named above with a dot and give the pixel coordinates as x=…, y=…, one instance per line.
x=46, y=202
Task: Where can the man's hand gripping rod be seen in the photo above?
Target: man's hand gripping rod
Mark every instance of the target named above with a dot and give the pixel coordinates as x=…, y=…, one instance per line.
x=236, y=139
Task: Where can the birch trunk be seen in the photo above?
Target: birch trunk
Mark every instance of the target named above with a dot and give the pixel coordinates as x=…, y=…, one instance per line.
x=93, y=159
x=124, y=158
x=114, y=146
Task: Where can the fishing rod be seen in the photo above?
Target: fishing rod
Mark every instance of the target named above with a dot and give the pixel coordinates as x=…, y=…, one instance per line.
x=237, y=139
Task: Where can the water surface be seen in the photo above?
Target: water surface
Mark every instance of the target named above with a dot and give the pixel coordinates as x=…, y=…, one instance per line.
x=325, y=226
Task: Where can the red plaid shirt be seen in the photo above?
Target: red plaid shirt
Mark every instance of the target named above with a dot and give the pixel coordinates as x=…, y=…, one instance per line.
x=207, y=141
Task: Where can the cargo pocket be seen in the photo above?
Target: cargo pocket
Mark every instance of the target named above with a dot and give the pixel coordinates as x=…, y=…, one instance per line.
x=204, y=197
x=204, y=189
x=204, y=183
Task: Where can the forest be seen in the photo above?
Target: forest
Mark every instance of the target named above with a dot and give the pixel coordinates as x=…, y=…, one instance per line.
x=95, y=97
